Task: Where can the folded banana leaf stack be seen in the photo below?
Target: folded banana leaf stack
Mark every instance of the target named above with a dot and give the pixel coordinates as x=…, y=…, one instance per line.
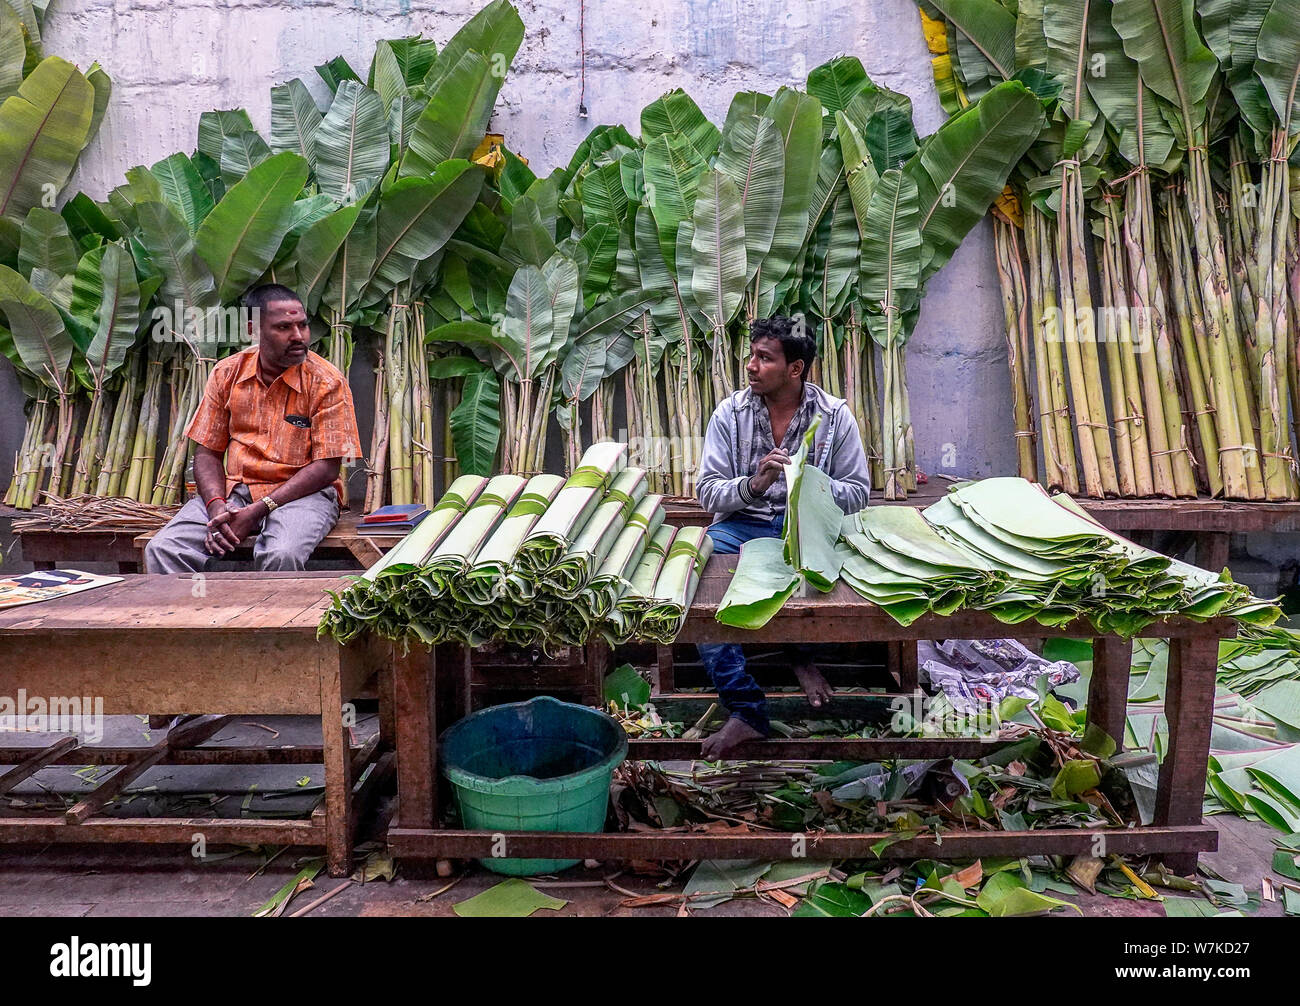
x=543, y=561
x=1001, y=545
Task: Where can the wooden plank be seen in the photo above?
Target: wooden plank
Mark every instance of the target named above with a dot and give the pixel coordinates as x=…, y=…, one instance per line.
x=413, y=696
x=874, y=707
x=154, y=600
x=159, y=830
x=37, y=761
x=338, y=774
x=56, y=608
x=223, y=671
x=1189, y=709
x=73, y=547
x=366, y=789
x=287, y=754
x=667, y=677
x=432, y=843
x=1212, y=550
x=1108, y=688
x=112, y=787
x=782, y=749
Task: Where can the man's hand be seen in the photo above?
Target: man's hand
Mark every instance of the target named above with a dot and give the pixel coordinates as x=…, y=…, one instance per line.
x=769, y=470
x=228, y=528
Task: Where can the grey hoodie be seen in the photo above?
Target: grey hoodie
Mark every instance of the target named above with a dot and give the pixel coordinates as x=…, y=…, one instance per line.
x=723, y=487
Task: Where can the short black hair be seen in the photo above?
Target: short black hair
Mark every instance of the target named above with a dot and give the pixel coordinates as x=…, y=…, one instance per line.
x=268, y=293
x=791, y=333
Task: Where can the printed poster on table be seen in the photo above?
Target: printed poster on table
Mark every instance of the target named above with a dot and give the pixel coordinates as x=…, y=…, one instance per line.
x=44, y=584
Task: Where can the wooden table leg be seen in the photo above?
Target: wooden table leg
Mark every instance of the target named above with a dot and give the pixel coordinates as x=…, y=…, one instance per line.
x=338, y=771
x=384, y=683
x=667, y=682
x=417, y=769
x=1189, y=708
x=1212, y=550
x=597, y=655
x=1112, y=660
x=902, y=657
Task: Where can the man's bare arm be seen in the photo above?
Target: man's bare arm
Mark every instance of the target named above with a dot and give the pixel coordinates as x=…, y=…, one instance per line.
x=307, y=480
x=210, y=477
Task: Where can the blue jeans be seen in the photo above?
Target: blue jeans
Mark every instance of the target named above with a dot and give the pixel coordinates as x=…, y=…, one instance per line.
x=725, y=662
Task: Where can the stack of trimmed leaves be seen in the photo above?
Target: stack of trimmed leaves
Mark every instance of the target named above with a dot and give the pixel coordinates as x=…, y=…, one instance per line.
x=544, y=561
x=1001, y=545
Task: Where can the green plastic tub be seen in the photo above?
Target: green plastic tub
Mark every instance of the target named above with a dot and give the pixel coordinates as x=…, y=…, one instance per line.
x=540, y=765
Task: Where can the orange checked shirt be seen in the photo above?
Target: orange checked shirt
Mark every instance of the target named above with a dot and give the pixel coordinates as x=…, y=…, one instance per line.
x=268, y=434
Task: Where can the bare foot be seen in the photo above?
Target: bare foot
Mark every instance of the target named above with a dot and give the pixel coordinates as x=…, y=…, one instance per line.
x=814, y=686
x=733, y=733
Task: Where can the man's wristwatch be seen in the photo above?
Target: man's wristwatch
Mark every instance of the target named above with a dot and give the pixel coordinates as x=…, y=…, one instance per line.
x=271, y=504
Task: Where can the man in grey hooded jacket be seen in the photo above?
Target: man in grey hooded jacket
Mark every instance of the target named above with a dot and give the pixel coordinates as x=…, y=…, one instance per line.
x=749, y=440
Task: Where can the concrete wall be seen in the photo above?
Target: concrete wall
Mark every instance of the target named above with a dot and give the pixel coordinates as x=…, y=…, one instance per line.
x=172, y=59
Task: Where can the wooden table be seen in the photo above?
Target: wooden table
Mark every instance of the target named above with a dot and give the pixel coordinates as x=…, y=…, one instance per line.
x=843, y=616
x=1212, y=522
x=223, y=644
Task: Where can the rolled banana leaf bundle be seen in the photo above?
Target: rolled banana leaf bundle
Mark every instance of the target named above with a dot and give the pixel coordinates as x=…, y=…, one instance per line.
x=675, y=585
x=545, y=561
x=614, y=577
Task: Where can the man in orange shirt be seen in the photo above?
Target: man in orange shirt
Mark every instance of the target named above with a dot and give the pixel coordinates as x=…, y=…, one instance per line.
x=275, y=422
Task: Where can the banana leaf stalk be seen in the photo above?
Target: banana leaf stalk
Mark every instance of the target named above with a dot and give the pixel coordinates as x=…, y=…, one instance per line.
x=189, y=376
x=1273, y=362
x=121, y=432
x=1167, y=434
x=93, y=446
x=1188, y=312
x=1079, y=335
x=140, y=475
x=1238, y=451
x=1132, y=456
x=1015, y=309
x=32, y=458
x=1053, y=402
x=422, y=442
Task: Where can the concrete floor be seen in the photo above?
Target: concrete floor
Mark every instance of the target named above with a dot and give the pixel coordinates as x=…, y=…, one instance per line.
x=92, y=881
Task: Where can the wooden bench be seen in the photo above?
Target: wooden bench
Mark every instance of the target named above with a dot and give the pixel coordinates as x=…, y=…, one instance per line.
x=840, y=616
x=224, y=644
x=52, y=549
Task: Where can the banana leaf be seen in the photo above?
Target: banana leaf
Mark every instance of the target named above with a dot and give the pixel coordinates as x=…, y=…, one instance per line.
x=240, y=237
x=43, y=129
x=760, y=586
x=812, y=519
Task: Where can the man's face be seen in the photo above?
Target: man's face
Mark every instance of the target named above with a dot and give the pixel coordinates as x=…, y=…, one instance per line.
x=768, y=369
x=283, y=333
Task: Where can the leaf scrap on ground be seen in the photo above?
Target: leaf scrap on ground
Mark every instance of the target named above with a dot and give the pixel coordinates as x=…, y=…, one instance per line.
x=510, y=899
